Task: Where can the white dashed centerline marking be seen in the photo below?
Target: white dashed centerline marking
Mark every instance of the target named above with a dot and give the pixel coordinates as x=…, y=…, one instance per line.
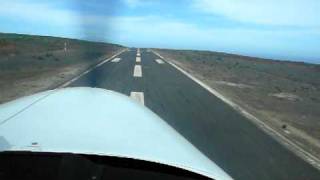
x=138, y=59
x=159, y=61
x=137, y=71
x=138, y=52
x=116, y=60
x=138, y=96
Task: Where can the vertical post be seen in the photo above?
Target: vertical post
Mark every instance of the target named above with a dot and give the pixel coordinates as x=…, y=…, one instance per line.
x=65, y=49
x=65, y=46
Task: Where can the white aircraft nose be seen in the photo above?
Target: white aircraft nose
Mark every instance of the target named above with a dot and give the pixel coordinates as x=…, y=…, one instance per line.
x=100, y=122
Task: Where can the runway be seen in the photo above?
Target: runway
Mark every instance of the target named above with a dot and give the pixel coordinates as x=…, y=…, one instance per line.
x=221, y=133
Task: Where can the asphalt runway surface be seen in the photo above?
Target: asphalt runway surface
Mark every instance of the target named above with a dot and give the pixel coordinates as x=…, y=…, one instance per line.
x=221, y=133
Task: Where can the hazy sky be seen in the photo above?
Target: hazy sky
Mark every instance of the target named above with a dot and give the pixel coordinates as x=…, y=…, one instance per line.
x=281, y=29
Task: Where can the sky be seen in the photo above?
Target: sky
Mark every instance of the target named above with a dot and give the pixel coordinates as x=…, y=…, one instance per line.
x=286, y=29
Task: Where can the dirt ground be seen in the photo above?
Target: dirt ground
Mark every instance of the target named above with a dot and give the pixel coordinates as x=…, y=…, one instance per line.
x=284, y=95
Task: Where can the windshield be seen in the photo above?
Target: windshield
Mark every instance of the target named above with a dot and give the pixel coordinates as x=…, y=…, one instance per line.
x=238, y=80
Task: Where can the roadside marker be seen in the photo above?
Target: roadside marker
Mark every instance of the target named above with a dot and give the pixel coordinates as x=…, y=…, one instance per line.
x=138, y=96
x=137, y=71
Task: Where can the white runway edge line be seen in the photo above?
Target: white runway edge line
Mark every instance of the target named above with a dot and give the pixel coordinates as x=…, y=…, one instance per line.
x=137, y=72
x=138, y=59
x=138, y=96
x=314, y=161
x=159, y=61
x=115, y=60
x=90, y=69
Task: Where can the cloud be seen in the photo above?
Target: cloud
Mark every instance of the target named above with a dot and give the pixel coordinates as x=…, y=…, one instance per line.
x=153, y=31
x=302, y=13
x=46, y=18
x=37, y=12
